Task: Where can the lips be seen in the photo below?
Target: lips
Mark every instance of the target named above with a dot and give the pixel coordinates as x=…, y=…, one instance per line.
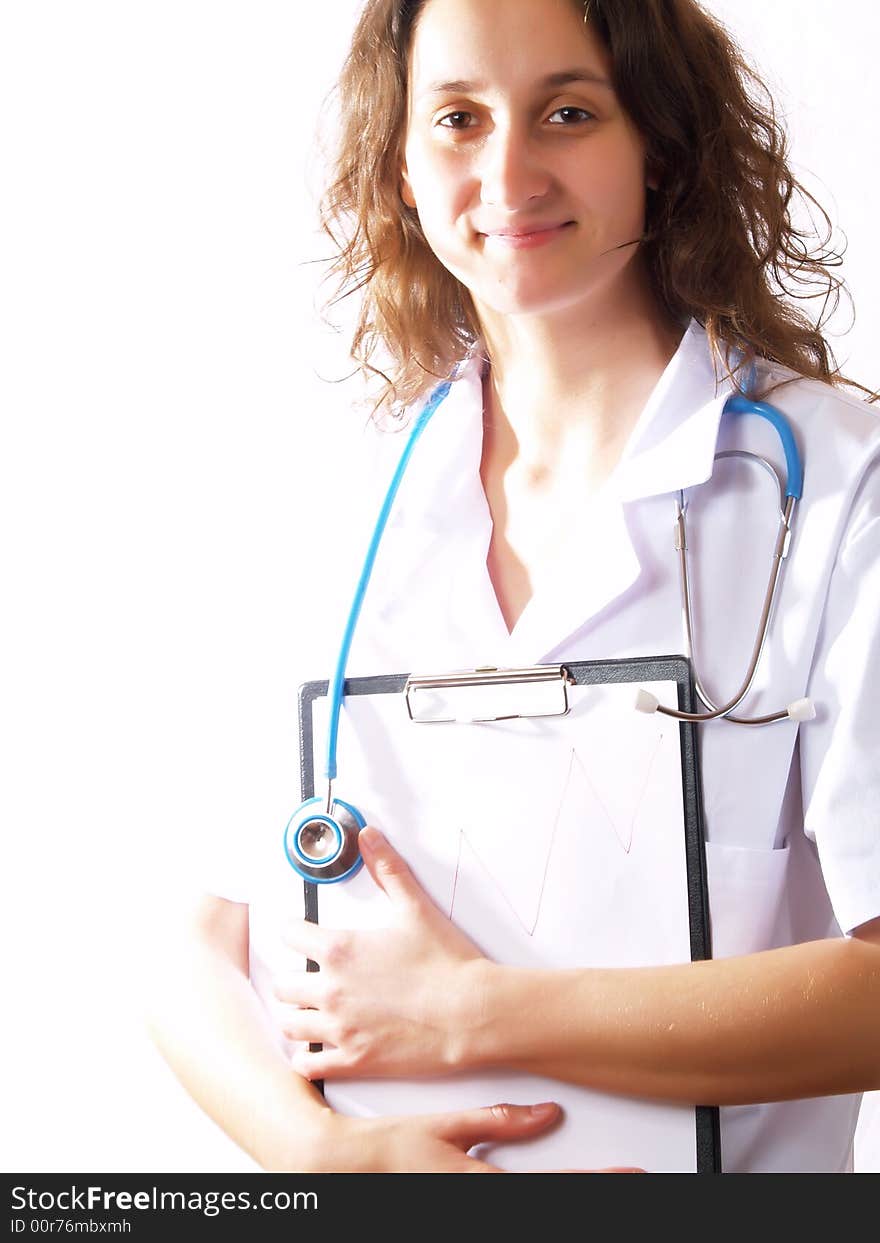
x=537, y=228
x=518, y=239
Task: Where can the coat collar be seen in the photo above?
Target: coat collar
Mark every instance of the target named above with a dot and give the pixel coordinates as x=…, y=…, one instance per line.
x=442, y=525
x=674, y=441
x=672, y=445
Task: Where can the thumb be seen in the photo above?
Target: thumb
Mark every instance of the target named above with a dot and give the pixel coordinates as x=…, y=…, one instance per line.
x=496, y=1122
x=388, y=869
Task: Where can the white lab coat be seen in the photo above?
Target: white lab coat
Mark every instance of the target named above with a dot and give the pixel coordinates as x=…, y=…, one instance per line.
x=792, y=815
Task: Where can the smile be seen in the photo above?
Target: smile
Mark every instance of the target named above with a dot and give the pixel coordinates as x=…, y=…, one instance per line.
x=526, y=241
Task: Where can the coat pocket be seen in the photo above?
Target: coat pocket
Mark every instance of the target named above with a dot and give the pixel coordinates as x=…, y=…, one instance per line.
x=748, y=905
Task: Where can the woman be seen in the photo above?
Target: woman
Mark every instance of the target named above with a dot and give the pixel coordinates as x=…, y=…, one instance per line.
x=590, y=212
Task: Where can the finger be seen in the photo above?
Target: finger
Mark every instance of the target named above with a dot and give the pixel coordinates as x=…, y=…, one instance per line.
x=307, y=938
x=303, y=988
x=390, y=870
x=480, y=1167
x=307, y=1025
x=476, y=1126
x=611, y=1169
x=326, y=1063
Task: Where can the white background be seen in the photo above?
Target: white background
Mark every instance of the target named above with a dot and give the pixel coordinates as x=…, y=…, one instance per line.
x=166, y=448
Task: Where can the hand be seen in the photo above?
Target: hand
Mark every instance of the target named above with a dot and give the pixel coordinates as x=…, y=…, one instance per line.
x=390, y=1002
x=434, y=1143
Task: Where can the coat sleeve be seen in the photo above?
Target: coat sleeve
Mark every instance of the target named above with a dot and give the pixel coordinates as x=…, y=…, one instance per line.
x=840, y=749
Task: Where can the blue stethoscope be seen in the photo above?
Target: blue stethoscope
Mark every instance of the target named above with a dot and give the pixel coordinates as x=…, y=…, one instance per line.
x=321, y=837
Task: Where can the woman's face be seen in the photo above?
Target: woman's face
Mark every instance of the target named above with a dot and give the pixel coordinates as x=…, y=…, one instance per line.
x=513, y=127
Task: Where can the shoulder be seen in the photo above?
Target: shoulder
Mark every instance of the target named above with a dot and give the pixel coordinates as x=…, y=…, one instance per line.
x=838, y=435
x=825, y=414
x=447, y=422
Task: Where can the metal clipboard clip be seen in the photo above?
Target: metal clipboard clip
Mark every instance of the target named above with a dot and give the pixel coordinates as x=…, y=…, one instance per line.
x=488, y=694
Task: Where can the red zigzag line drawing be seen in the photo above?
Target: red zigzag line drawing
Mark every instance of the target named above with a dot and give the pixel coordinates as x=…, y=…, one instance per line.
x=626, y=845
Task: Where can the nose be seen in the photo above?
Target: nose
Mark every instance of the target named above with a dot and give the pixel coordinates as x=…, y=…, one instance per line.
x=513, y=170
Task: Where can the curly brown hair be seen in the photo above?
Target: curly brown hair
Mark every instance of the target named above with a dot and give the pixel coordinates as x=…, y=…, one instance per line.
x=720, y=242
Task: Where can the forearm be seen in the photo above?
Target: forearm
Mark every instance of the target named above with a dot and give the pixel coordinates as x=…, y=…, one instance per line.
x=207, y=1022
x=783, y=1024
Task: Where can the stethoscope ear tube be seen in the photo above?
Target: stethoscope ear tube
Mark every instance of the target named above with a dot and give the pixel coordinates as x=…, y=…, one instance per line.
x=801, y=709
x=794, y=471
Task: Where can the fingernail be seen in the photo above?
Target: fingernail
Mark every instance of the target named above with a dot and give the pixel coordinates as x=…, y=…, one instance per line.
x=545, y=1108
x=370, y=839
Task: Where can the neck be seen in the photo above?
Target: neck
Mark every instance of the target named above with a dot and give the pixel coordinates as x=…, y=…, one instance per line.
x=569, y=387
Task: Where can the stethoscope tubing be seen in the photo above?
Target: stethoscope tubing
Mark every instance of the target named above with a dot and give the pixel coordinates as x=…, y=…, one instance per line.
x=736, y=404
x=792, y=492
x=345, y=838
x=335, y=691
x=726, y=710
x=794, y=469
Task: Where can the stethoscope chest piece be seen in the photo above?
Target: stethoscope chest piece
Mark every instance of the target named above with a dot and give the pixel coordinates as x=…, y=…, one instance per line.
x=323, y=847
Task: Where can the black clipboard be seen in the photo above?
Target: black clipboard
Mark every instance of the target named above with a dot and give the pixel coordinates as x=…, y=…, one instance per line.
x=637, y=671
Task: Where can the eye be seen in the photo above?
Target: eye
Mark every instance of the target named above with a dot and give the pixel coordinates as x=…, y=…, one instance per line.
x=583, y=114
x=449, y=116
